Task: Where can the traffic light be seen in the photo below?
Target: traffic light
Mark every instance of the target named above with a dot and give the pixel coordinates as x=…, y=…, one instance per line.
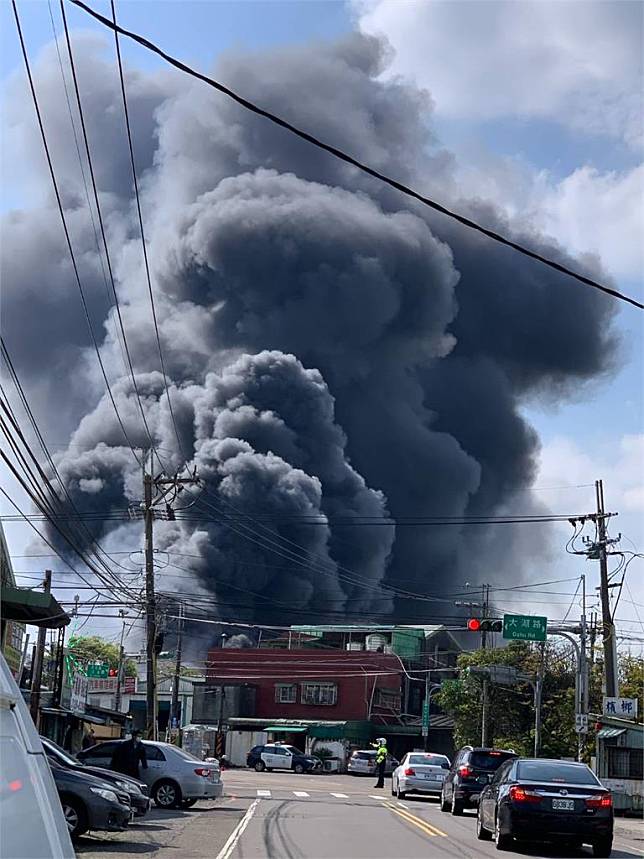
x=488, y=624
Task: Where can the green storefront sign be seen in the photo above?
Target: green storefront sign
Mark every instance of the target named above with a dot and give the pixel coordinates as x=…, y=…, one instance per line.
x=425, y=723
x=98, y=669
x=523, y=627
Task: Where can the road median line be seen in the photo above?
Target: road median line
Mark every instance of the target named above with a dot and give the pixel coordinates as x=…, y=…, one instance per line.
x=237, y=832
x=417, y=821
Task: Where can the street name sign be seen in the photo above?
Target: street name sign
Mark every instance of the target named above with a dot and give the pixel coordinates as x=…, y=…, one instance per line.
x=98, y=669
x=581, y=723
x=425, y=727
x=524, y=627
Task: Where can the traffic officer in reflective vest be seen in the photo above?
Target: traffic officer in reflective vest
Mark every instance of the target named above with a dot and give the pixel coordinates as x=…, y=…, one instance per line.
x=381, y=760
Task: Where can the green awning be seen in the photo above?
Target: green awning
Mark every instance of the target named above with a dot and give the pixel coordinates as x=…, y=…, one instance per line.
x=281, y=729
x=33, y=607
x=607, y=733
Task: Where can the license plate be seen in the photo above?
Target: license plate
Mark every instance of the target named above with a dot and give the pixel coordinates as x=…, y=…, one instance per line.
x=563, y=804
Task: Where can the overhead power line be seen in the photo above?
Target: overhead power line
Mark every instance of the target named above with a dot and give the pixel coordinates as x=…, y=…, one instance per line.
x=349, y=159
x=66, y=230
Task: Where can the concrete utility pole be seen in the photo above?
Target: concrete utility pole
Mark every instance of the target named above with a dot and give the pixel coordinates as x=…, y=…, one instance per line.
x=174, y=704
x=538, y=690
x=165, y=485
x=121, y=665
x=608, y=627
x=36, y=668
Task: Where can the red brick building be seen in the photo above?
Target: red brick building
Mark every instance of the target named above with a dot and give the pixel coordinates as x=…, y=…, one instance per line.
x=312, y=684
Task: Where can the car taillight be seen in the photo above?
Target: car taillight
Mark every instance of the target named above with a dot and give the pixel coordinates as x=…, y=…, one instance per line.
x=466, y=771
x=410, y=771
x=202, y=772
x=520, y=794
x=603, y=801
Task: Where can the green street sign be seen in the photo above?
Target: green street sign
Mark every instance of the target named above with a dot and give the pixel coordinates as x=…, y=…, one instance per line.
x=98, y=669
x=524, y=627
x=425, y=724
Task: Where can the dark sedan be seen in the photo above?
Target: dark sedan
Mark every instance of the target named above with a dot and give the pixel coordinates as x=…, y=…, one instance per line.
x=546, y=800
x=89, y=802
x=136, y=790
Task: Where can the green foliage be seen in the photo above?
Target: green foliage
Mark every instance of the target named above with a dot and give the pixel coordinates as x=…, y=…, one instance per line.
x=89, y=648
x=322, y=753
x=511, y=709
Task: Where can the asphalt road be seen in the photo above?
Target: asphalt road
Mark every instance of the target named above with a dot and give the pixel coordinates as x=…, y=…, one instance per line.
x=284, y=816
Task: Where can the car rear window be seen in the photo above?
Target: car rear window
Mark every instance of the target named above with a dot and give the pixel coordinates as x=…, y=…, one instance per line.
x=363, y=756
x=489, y=761
x=429, y=760
x=559, y=772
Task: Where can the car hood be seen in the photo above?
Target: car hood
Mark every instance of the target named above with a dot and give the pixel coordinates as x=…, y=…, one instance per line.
x=112, y=777
x=69, y=776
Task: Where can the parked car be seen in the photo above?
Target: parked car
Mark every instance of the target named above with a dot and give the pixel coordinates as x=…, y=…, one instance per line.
x=89, y=802
x=419, y=772
x=279, y=756
x=32, y=824
x=363, y=762
x=174, y=777
x=136, y=790
x=472, y=769
x=546, y=800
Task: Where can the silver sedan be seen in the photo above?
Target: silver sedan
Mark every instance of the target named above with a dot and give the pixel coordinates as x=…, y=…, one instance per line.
x=420, y=772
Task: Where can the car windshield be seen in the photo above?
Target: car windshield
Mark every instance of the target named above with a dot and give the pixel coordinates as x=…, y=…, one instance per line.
x=428, y=760
x=363, y=756
x=69, y=759
x=559, y=772
x=489, y=761
x=292, y=750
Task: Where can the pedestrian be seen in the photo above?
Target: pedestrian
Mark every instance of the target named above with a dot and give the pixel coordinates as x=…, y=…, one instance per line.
x=89, y=738
x=128, y=755
x=381, y=760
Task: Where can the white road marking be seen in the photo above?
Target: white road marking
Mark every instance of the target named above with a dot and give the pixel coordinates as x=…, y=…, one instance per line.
x=300, y=793
x=237, y=832
x=402, y=805
x=340, y=795
x=380, y=796
x=265, y=793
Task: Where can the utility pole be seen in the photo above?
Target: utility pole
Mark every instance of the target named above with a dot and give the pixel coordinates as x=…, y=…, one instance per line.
x=538, y=689
x=608, y=627
x=36, y=668
x=174, y=705
x=165, y=486
x=150, y=613
x=121, y=665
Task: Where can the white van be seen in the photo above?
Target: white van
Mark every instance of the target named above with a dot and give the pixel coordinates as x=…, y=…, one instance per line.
x=32, y=825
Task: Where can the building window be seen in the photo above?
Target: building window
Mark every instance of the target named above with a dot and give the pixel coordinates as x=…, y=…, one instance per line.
x=319, y=693
x=387, y=698
x=624, y=763
x=285, y=693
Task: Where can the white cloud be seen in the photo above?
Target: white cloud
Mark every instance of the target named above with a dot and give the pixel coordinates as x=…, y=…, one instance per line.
x=577, y=63
x=587, y=211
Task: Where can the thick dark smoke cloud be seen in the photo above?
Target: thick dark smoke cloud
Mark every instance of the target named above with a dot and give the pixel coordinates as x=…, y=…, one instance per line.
x=333, y=349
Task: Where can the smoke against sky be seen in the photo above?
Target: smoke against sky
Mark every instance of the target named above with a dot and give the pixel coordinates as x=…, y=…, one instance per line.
x=333, y=349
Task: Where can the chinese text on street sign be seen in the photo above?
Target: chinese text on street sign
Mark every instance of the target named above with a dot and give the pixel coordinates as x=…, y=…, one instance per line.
x=98, y=669
x=425, y=730
x=624, y=707
x=524, y=627
x=79, y=694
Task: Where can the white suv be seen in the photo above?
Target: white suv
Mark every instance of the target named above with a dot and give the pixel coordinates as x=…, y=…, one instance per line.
x=175, y=777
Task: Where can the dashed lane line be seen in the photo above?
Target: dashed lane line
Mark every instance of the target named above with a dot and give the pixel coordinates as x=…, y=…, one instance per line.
x=340, y=795
x=264, y=793
x=301, y=793
x=373, y=796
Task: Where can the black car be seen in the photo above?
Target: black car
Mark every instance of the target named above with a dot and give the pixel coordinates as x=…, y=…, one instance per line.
x=279, y=756
x=472, y=769
x=546, y=800
x=136, y=790
x=89, y=802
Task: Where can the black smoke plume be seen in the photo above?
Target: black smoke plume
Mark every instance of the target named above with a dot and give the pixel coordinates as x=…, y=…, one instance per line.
x=334, y=351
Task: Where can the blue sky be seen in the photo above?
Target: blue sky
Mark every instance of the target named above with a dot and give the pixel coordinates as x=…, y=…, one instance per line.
x=542, y=141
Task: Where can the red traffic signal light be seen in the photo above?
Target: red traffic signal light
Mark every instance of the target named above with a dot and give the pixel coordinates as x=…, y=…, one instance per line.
x=474, y=624
x=488, y=624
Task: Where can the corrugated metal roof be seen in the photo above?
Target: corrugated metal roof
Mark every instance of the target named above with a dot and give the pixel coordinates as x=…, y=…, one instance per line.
x=607, y=733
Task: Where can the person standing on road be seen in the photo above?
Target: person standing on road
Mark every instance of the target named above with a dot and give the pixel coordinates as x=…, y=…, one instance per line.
x=381, y=760
x=128, y=755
